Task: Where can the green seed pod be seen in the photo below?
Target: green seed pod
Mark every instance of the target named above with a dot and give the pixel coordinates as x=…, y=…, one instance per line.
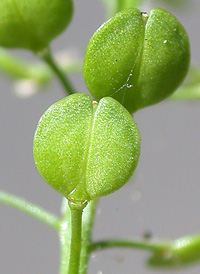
x=180, y=253
x=85, y=149
x=136, y=58
x=32, y=24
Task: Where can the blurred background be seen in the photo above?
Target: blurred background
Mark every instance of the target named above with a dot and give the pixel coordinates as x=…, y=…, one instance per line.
x=163, y=196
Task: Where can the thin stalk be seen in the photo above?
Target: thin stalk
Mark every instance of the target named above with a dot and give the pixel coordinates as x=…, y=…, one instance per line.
x=39, y=73
x=76, y=240
x=114, y=6
x=115, y=243
x=47, y=57
x=30, y=209
x=65, y=237
x=88, y=221
x=127, y=4
x=19, y=69
x=177, y=253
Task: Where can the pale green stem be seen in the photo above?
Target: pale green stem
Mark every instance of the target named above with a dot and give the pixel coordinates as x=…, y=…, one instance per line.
x=126, y=4
x=116, y=243
x=88, y=221
x=17, y=68
x=114, y=6
x=76, y=240
x=30, y=209
x=172, y=254
x=47, y=57
x=65, y=236
x=40, y=73
x=110, y=7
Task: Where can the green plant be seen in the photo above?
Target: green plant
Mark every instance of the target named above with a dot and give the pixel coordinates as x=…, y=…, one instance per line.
x=87, y=149
x=72, y=134
x=120, y=58
x=32, y=24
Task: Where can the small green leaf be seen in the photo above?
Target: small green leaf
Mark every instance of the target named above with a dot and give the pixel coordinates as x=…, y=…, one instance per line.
x=86, y=149
x=32, y=24
x=136, y=58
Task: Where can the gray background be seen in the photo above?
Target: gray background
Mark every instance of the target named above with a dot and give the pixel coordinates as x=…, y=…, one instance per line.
x=163, y=196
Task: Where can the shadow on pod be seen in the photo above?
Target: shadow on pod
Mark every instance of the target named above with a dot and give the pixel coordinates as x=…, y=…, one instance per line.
x=136, y=58
x=85, y=149
x=32, y=24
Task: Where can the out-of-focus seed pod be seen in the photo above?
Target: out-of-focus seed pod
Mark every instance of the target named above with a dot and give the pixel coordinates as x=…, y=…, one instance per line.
x=180, y=253
x=32, y=24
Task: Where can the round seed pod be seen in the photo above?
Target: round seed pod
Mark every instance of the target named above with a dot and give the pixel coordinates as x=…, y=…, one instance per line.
x=32, y=24
x=85, y=149
x=136, y=58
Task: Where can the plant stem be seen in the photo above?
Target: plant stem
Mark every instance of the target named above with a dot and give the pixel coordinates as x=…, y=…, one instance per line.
x=126, y=4
x=88, y=221
x=17, y=68
x=175, y=253
x=147, y=245
x=76, y=240
x=39, y=73
x=47, y=57
x=65, y=237
x=31, y=209
x=114, y=6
